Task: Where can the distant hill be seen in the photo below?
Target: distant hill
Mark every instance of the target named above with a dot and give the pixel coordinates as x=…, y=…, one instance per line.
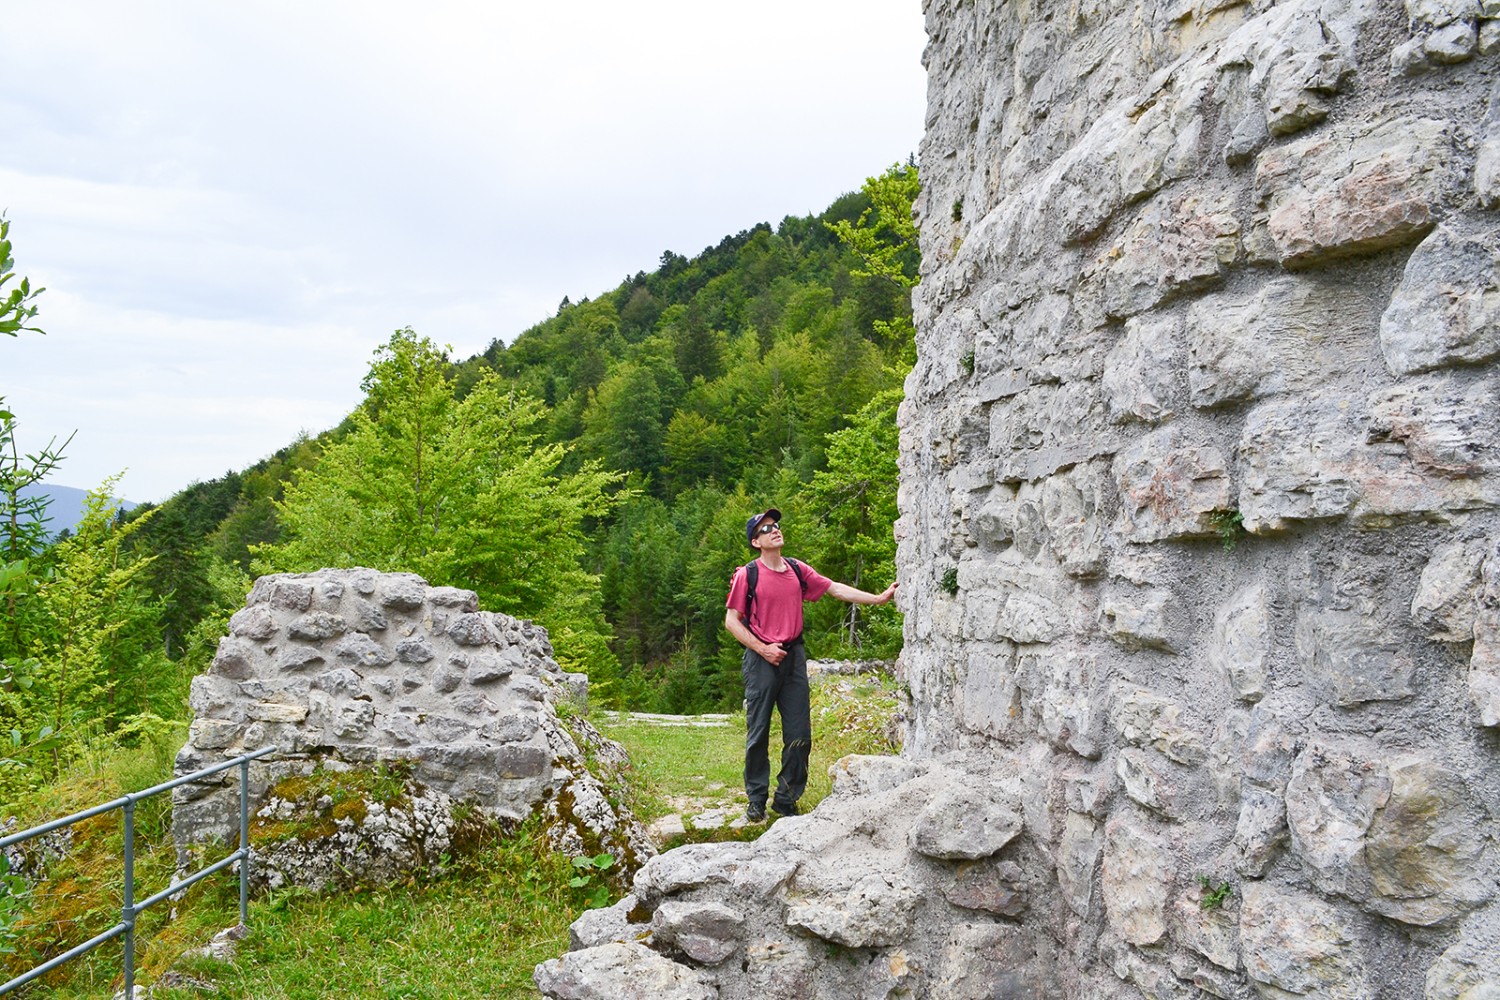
x=66, y=506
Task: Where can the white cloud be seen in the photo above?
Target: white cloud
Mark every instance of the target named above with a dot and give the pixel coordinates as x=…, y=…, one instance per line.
x=232, y=205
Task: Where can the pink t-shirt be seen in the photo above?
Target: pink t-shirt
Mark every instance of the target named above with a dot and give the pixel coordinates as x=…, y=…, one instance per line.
x=777, y=615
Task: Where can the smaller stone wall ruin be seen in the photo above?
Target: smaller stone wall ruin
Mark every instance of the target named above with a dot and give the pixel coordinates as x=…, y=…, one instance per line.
x=355, y=670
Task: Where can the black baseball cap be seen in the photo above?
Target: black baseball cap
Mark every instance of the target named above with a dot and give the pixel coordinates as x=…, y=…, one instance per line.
x=754, y=523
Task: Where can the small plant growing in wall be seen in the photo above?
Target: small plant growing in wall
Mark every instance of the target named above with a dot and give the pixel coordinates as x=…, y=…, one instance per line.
x=1213, y=895
x=950, y=581
x=1230, y=527
x=967, y=363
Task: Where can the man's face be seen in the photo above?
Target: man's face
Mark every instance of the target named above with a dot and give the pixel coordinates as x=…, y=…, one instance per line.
x=767, y=531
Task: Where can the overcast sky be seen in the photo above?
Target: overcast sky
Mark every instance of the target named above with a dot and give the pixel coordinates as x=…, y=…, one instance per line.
x=232, y=205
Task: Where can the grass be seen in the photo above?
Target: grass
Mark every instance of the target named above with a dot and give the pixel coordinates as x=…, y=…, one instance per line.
x=475, y=930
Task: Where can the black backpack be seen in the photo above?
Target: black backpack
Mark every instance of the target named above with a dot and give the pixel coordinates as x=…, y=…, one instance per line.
x=752, y=575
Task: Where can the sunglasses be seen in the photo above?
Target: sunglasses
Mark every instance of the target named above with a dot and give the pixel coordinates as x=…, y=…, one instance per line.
x=766, y=529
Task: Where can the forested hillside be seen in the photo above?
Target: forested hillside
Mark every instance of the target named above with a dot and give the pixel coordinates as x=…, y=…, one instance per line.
x=594, y=474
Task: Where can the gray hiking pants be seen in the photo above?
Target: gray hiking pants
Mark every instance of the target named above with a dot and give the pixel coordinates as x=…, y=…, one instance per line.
x=785, y=689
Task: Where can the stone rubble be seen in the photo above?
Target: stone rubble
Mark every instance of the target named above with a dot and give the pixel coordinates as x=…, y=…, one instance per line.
x=1203, y=424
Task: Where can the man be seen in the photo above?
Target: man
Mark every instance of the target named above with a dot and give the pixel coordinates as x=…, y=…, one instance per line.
x=765, y=615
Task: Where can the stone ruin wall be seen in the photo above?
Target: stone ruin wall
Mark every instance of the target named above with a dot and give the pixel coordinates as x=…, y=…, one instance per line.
x=1200, y=473
x=356, y=669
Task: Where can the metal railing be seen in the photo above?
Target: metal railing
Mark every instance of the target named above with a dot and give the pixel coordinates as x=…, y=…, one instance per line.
x=130, y=908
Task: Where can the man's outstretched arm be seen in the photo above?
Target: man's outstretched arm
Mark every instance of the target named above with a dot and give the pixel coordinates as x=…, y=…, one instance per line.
x=853, y=595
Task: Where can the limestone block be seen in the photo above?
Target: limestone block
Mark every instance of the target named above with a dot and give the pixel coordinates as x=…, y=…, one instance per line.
x=1331, y=801
x=705, y=932
x=1294, y=464
x=488, y=666
x=1348, y=659
x=620, y=971
x=316, y=626
x=1470, y=968
x=1431, y=450
x=1446, y=310
x=1170, y=487
x=1027, y=617
x=1137, y=877
x=1303, y=59
x=1426, y=846
x=965, y=820
x=1444, y=605
x=403, y=592
x=1286, y=337
x=1296, y=943
x=447, y=678
x=1077, y=854
x=1260, y=832
x=1087, y=193
x=1160, y=146
x=1437, y=13
x=991, y=696
x=360, y=650
x=266, y=711
x=1149, y=780
x=1089, y=792
x=291, y=595
x=214, y=697
x=1145, y=719
x=1030, y=526
x=1484, y=666
x=989, y=961
x=253, y=622
x=1075, y=528
x=867, y=774
x=214, y=734
x=1241, y=641
x=353, y=721
x=1354, y=191
x=688, y=867
x=603, y=925
x=1489, y=44
x=1071, y=706
x=1049, y=427
x=465, y=601
x=1213, y=933
x=298, y=658
x=368, y=617
x=1268, y=752
x=994, y=525
x=472, y=630
x=1175, y=246
x=1137, y=619
x=414, y=649
x=876, y=912
x=340, y=682
x=1453, y=43
x=1143, y=372
x=988, y=888
x=233, y=658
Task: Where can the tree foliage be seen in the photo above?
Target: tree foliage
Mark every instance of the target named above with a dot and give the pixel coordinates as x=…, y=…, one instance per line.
x=595, y=472
x=463, y=492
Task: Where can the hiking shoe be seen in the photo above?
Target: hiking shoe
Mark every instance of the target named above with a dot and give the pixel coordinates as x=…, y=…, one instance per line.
x=755, y=813
x=786, y=810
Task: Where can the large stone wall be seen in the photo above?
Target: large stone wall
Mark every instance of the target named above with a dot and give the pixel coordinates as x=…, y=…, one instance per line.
x=1199, y=546
x=1200, y=471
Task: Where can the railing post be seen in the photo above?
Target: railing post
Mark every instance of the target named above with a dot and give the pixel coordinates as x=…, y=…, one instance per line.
x=245, y=843
x=127, y=912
